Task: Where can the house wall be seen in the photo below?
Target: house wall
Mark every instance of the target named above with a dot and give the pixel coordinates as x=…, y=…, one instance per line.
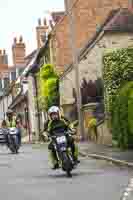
x=1, y=110
x=90, y=69
x=4, y=103
x=32, y=107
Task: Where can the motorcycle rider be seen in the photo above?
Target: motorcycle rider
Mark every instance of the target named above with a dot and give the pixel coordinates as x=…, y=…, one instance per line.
x=4, y=124
x=12, y=122
x=58, y=123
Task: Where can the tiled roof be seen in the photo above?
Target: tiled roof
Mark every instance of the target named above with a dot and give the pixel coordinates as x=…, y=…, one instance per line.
x=30, y=56
x=121, y=22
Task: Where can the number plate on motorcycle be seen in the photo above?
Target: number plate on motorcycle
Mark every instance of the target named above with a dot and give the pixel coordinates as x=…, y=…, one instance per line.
x=61, y=139
x=13, y=133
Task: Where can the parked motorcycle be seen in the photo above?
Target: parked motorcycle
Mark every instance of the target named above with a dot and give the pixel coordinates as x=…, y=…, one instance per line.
x=9, y=137
x=63, y=152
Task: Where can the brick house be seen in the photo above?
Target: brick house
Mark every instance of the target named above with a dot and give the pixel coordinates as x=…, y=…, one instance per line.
x=115, y=32
x=89, y=15
x=3, y=70
x=25, y=101
x=9, y=74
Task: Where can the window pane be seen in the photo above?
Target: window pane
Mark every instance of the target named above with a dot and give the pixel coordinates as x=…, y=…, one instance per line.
x=21, y=71
x=0, y=84
x=6, y=83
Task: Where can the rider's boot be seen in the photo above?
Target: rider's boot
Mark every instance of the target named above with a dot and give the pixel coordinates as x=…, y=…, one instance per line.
x=54, y=160
x=75, y=154
x=56, y=166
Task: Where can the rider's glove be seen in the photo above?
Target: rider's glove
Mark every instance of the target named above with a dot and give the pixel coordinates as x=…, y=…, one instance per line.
x=45, y=136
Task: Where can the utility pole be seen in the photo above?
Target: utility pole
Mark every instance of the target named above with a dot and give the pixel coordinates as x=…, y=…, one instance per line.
x=72, y=30
x=3, y=98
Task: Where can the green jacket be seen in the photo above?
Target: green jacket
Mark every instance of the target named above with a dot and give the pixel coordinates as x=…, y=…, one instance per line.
x=11, y=124
x=55, y=126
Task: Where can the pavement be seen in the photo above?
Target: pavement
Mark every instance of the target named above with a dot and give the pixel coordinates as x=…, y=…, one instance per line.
x=114, y=155
x=27, y=176
x=108, y=153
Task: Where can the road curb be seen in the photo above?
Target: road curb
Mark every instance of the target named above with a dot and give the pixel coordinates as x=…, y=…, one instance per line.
x=109, y=159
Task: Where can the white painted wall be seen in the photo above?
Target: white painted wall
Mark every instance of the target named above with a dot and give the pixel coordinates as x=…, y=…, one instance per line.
x=32, y=106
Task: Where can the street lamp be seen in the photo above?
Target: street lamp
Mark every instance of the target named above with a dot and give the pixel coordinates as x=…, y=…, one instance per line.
x=72, y=28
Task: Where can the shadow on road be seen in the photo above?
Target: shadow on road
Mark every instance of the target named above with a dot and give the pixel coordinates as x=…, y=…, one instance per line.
x=5, y=165
x=75, y=174
x=7, y=153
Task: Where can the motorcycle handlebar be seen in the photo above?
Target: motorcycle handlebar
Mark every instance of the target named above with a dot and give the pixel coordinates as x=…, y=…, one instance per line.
x=66, y=133
x=71, y=132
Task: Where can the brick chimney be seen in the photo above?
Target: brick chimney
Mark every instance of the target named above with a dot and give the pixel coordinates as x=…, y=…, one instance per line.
x=3, y=57
x=41, y=31
x=68, y=4
x=3, y=69
x=18, y=52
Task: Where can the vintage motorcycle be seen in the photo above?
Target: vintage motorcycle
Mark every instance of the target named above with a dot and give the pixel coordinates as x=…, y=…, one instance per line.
x=9, y=137
x=63, y=152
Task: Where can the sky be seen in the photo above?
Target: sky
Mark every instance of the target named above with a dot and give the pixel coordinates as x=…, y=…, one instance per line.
x=20, y=18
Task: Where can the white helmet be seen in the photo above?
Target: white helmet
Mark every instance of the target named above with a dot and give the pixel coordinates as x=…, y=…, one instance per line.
x=53, y=109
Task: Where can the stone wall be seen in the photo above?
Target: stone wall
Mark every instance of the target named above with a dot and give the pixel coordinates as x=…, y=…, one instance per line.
x=90, y=68
x=104, y=135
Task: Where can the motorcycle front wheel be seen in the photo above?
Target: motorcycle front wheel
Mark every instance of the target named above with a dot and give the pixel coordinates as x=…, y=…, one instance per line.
x=69, y=174
x=67, y=164
x=13, y=146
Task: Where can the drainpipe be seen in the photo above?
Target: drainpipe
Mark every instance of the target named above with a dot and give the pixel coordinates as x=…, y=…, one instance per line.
x=130, y=4
x=3, y=107
x=3, y=98
x=37, y=106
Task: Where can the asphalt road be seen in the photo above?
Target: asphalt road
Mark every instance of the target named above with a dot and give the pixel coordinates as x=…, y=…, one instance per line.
x=27, y=176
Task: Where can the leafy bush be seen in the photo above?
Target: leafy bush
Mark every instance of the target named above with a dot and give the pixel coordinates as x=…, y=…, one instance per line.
x=122, y=117
x=48, y=87
x=130, y=110
x=118, y=70
x=47, y=71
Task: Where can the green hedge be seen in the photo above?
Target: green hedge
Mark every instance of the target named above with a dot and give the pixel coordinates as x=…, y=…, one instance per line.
x=118, y=95
x=122, y=116
x=118, y=70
